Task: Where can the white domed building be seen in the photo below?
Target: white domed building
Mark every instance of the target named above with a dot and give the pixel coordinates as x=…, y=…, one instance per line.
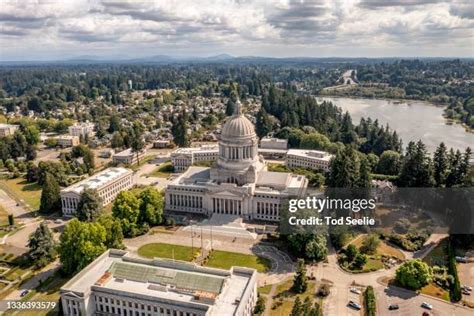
x=238, y=183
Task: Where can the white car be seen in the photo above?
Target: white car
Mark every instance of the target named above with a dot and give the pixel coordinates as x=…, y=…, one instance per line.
x=466, y=287
x=355, y=290
x=426, y=305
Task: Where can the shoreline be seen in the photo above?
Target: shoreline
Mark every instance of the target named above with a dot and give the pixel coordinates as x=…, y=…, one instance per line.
x=448, y=121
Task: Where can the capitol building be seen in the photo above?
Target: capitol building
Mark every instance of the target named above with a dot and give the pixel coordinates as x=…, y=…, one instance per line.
x=238, y=183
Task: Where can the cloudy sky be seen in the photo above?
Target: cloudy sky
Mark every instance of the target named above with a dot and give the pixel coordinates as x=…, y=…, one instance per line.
x=61, y=29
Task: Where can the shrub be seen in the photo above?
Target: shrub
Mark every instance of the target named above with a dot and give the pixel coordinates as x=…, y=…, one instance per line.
x=370, y=306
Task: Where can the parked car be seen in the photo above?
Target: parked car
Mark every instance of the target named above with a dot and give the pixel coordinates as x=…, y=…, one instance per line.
x=461, y=259
x=466, y=292
x=58, y=221
x=24, y=293
x=354, y=305
x=425, y=314
x=355, y=290
x=393, y=307
x=426, y=305
x=466, y=287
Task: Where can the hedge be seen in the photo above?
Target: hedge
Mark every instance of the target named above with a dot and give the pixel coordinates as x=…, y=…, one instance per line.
x=370, y=308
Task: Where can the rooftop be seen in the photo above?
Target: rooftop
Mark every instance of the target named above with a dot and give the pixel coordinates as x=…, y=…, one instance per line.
x=165, y=279
x=308, y=153
x=2, y=125
x=98, y=180
x=203, y=148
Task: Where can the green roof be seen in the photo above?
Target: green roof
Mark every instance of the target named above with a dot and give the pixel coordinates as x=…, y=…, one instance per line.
x=179, y=279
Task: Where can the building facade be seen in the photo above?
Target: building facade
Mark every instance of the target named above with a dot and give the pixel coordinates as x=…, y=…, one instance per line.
x=107, y=183
x=67, y=141
x=238, y=183
x=310, y=159
x=85, y=129
x=7, y=129
x=117, y=283
x=182, y=158
x=128, y=157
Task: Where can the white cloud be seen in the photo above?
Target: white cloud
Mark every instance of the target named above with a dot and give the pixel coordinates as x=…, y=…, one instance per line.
x=53, y=28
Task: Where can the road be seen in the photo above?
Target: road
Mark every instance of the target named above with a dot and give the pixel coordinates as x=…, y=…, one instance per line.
x=33, y=283
x=409, y=301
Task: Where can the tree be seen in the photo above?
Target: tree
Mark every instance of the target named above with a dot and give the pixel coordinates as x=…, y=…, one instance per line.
x=344, y=169
x=263, y=124
x=115, y=125
x=297, y=309
x=440, y=165
x=89, y=206
x=42, y=247
x=126, y=208
x=180, y=130
x=50, y=195
x=151, y=206
x=417, y=169
x=389, y=163
x=351, y=252
x=259, y=306
x=315, y=141
x=137, y=141
x=300, y=281
x=113, y=229
x=316, y=248
x=32, y=134
x=80, y=244
x=359, y=260
x=306, y=309
x=413, y=274
x=117, y=140
x=370, y=244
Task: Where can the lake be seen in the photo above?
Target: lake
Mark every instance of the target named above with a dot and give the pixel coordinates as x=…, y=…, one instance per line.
x=413, y=120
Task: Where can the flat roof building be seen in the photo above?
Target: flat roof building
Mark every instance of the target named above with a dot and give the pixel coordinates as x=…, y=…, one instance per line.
x=128, y=157
x=117, y=283
x=306, y=158
x=108, y=183
x=67, y=141
x=85, y=129
x=7, y=129
x=274, y=143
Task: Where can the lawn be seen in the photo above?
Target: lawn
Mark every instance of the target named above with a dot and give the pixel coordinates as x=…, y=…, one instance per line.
x=23, y=191
x=225, y=260
x=265, y=289
x=170, y=251
x=162, y=171
x=286, y=297
x=382, y=249
x=438, y=256
x=3, y=217
x=434, y=290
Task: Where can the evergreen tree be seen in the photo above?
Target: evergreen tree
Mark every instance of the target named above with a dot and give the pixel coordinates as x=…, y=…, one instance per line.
x=315, y=311
x=306, y=309
x=137, y=141
x=364, y=174
x=180, y=131
x=50, y=195
x=89, y=206
x=344, y=169
x=417, y=168
x=297, y=309
x=300, y=281
x=263, y=126
x=42, y=247
x=440, y=165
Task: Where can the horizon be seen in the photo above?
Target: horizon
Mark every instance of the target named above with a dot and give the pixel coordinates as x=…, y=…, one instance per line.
x=51, y=30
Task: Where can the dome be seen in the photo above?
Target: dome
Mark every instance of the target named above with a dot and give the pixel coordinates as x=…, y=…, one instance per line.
x=238, y=125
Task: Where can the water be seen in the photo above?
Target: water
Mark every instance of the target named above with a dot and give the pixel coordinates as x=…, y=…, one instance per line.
x=413, y=120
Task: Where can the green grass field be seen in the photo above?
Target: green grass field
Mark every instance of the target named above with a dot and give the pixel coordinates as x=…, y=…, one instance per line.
x=21, y=190
x=162, y=250
x=225, y=260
